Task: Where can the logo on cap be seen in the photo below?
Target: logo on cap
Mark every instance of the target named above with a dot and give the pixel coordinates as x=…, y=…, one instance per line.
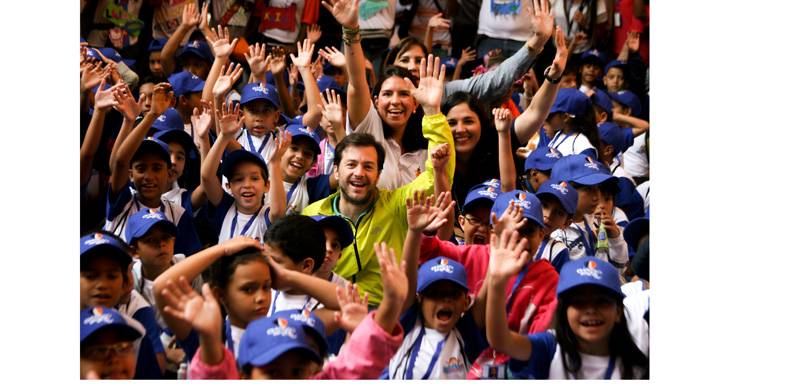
x=489, y=192
x=283, y=329
x=560, y=187
x=492, y=183
x=161, y=118
x=153, y=214
x=304, y=316
x=443, y=267
x=98, y=317
x=261, y=89
x=98, y=239
x=591, y=164
x=552, y=153
x=305, y=130
x=521, y=202
x=590, y=270
x=195, y=44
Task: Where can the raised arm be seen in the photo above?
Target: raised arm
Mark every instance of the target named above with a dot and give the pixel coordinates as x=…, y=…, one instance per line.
x=189, y=20
x=258, y=61
x=358, y=94
x=229, y=122
x=639, y=126
x=318, y=288
x=303, y=63
x=278, y=203
x=530, y=121
x=468, y=55
x=201, y=313
x=222, y=50
x=128, y=110
x=202, y=121
x=508, y=173
x=394, y=288
x=436, y=23
x=226, y=78
x=507, y=257
x=440, y=156
x=277, y=67
x=103, y=101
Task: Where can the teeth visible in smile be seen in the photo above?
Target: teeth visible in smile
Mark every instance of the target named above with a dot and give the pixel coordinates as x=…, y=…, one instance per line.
x=592, y=323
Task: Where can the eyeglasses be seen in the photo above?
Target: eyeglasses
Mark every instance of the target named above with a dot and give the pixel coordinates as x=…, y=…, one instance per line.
x=102, y=352
x=474, y=221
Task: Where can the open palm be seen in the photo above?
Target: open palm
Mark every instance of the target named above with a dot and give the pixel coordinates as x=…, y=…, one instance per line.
x=202, y=312
x=344, y=11
x=507, y=255
x=430, y=87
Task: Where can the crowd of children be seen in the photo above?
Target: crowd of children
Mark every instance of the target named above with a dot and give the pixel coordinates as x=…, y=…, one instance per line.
x=262, y=197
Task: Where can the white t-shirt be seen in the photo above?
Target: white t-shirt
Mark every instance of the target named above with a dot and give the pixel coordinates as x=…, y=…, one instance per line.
x=643, y=189
x=145, y=287
x=636, y=162
x=245, y=139
x=617, y=169
x=570, y=144
x=635, y=306
x=399, y=169
x=299, y=198
x=591, y=367
x=175, y=194
x=117, y=224
x=449, y=365
x=505, y=26
x=282, y=301
x=256, y=230
x=577, y=235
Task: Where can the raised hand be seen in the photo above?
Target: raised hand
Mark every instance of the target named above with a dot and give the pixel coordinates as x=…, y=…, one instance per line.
x=228, y=76
x=103, y=98
x=437, y=22
x=507, y=255
x=201, y=312
x=161, y=99
x=282, y=143
x=560, y=60
x=541, y=18
x=277, y=61
x=313, y=33
x=240, y=243
x=633, y=41
x=577, y=40
x=394, y=280
x=512, y=219
x=440, y=155
x=126, y=104
x=202, y=120
x=427, y=214
x=605, y=217
x=468, y=55
x=91, y=75
x=353, y=308
x=430, y=87
x=304, y=53
x=333, y=56
x=257, y=60
x=190, y=16
x=503, y=119
x=230, y=120
x=344, y=11
x=221, y=46
x=317, y=68
x=334, y=114
x=211, y=36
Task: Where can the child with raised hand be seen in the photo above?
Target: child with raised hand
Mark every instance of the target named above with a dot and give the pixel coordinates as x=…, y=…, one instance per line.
x=263, y=352
x=474, y=217
x=590, y=339
x=333, y=114
x=508, y=173
x=243, y=211
x=139, y=175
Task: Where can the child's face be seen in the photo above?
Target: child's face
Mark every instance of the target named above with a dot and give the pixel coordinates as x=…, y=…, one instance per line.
x=475, y=224
x=247, y=296
x=248, y=186
x=178, y=158
x=589, y=73
x=536, y=178
x=291, y=365
x=606, y=203
x=149, y=174
x=534, y=234
x=442, y=304
x=591, y=315
x=465, y=127
x=155, y=249
x=109, y=356
x=196, y=65
x=155, y=64
x=614, y=79
x=101, y=283
x=332, y=251
x=260, y=117
x=148, y=90
x=553, y=214
x=589, y=197
x=568, y=80
x=297, y=160
x=556, y=122
x=190, y=101
x=276, y=253
x=619, y=108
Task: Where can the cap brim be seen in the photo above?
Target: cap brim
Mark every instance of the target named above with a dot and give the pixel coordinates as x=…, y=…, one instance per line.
x=567, y=205
x=240, y=156
x=126, y=332
x=598, y=283
x=345, y=235
x=274, y=353
x=594, y=179
x=477, y=200
x=149, y=146
x=106, y=250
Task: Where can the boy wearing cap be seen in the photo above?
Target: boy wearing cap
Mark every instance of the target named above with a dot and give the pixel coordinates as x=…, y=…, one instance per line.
x=159, y=68
x=109, y=342
x=612, y=144
x=559, y=201
x=589, y=177
x=538, y=165
x=183, y=153
x=474, y=218
x=139, y=174
x=260, y=115
x=338, y=236
x=187, y=89
x=591, y=63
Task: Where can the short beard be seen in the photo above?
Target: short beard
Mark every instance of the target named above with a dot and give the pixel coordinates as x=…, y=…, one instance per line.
x=360, y=202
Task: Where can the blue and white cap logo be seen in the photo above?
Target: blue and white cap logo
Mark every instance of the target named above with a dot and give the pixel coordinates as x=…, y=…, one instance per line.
x=560, y=187
x=443, y=266
x=492, y=183
x=261, y=89
x=489, y=192
x=161, y=118
x=97, y=239
x=304, y=316
x=590, y=270
x=98, y=317
x=195, y=44
x=153, y=214
x=283, y=329
x=553, y=154
x=521, y=202
x=590, y=163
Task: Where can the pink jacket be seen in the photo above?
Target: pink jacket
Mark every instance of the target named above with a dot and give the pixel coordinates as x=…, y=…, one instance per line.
x=365, y=355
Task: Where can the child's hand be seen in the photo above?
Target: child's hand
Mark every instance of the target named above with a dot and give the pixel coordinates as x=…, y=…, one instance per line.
x=611, y=228
x=277, y=62
x=203, y=313
x=162, y=98
x=333, y=113
x=353, y=308
x=468, y=55
x=440, y=156
x=257, y=59
x=91, y=75
x=579, y=38
x=507, y=255
x=394, y=280
x=503, y=119
x=202, y=120
x=103, y=99
x=294, y=74
x=221, y=46
x=230, y=120
x=190, y=16
x=304, y=53
x=228, y=76
x=430, y=88
x=126, y=104
x=512, y=219
x=344, y=11
x=240, y=243
x=438, y=23
x=314, y=33
x=428, y=214
x=282, y=143
x=333, y=56
x=633, y=41
x=560, y=60
x=317, y=68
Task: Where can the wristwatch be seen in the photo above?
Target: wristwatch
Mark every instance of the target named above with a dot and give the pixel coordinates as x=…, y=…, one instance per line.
x=547, y=77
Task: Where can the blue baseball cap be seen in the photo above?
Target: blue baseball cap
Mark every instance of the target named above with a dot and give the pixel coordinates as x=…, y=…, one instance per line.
x=438, y=269
x=327, y=82
x=542, y=158
x=601, y=99
x=267, y=338
x=143, y=220
x=100, y=244
x=629, y=199
x=615, y=63
x=635, y=230
x=259, y=91
x=297, y=129
x=589, y=271
x=233, y=159
x=171, y=119
x=155, y=146
x=198, y=48
x=157, y=44
x=185, y=82
x=312, y=325
x=339, y=225
x=111, y=54
x=486, y=192
x=612, y=134
x=593, y=56
x=581, y=169
x=532, y=207
x=179, y=136
x=94, y=319
x=565, y=193
x=571, y=101
x=627, y=99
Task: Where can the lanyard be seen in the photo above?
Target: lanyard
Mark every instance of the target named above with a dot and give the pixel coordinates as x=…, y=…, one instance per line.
x=229, y=338
x=263, y=143
x=414, y=355
x=274, y=307
x=247, y=226
x=292, y=189
x=517, y=282
x=541, y=249
x=329, y=156
x=559, y=133
x=585, y=236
